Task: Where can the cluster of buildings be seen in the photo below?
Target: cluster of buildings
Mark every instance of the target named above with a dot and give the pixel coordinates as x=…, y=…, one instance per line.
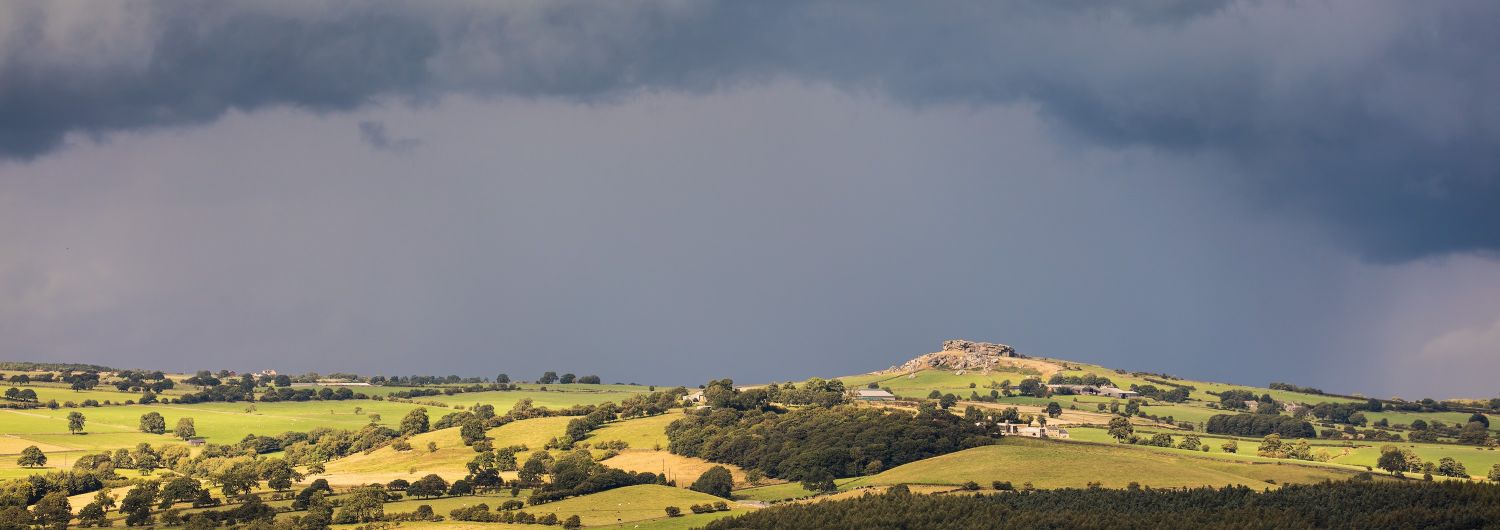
x=1034, y=430
x=1095, y=390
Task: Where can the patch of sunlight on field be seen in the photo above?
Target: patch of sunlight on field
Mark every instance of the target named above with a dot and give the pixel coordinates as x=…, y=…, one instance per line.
x=639, y=433
x=386, y=464
x=1056, y=464
x=682, y=469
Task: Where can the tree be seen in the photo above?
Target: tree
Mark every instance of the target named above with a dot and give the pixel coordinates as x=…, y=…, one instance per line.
x=819, y=480
x=92, y=515
x=947, y=401
x=567, y=379
x=1190, y=442
x=1033, y=387
x=1054, y=410
x=1481, y=419
x=319, y=512
x=1449, y=467
x=75, y=422
x=1230, y=446
x=145, y=458
x=673, y=511
x=1474, y=433
x=588, y=379
x=152, y=422
x=502, y=379
x=32, y=456
x=415, y=422
x=137, y=504
x=428, y=486
x=717, y=481
x=548, y=378
x=180, y=489
x=1392, y=460
x=471, y=431
x=573, y=521
x=1271, y=446
x=1495, y=473
x=364, y=505
x=279, y=474
x=237, y=478
x=185, y=429
x=1120, y=428
x=104, y=499
x=53, y=511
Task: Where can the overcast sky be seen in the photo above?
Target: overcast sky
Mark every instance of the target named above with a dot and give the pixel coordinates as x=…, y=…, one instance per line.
x=666, y=192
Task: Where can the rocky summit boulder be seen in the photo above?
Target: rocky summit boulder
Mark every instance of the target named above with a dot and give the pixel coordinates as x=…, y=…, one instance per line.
x=959, y=354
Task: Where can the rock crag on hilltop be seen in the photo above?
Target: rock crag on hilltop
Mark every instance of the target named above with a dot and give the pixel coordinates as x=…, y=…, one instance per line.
x=982, y=348
x=959, y=354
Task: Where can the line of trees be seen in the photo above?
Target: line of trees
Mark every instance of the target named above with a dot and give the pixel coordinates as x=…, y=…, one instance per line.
x=1348, y=504
x=816, y=445
x=1255, y=425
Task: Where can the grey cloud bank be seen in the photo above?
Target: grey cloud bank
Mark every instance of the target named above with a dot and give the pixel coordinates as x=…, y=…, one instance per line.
x=667, y=192
x=1376, y=117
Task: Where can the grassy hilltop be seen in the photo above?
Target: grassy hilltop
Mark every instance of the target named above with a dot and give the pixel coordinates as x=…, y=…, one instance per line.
x=633, y=455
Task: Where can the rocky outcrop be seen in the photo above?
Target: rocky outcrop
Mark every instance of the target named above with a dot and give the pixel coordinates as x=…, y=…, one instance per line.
x=961, y=355
x=982, y=348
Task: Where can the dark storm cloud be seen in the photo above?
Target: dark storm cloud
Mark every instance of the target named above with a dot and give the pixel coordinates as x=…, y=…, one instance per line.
x=1377, y=117
x=374, y=134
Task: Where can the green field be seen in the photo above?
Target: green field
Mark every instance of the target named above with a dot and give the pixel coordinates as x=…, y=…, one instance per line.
x=640, y=433
x=630, y=505
x=1056, y=464
x=920, y=384
x=63, y=394
x=1477, y=461
x=568, y=396
x=217, y=422
x=386, y=464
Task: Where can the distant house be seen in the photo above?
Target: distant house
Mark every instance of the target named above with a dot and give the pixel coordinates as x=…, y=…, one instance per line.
x=1033, y=431
x=195, y=442
x=873, y=394
x=1085, y=390
x=1118, y=393
x=332, y=382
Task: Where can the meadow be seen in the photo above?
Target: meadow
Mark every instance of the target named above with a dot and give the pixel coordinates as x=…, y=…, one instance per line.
x=386, y=464
x=1056, y=464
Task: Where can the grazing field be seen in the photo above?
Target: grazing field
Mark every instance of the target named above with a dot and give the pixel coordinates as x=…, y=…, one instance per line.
x=1477, y=461
x=682, y=469
x=65, y=394
x=553, y=397
x=386, y=464
x=628, y=504
x=781, y=492
x=639, y=433
x=919, y=384
x=216, y=422
x=1048, y=464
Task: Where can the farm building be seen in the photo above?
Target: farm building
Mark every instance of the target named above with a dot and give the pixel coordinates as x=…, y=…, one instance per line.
x=1118, y=393
x=1033, y=430
x=1085, y=390
x=873, y=394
